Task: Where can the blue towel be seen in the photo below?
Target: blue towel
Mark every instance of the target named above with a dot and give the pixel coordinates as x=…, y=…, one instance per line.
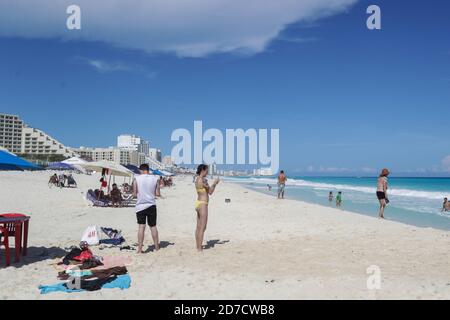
x=122, y=282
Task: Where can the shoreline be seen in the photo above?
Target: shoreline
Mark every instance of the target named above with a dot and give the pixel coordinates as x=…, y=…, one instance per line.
x=374, y=216
x=354, y=203
x=260, y=248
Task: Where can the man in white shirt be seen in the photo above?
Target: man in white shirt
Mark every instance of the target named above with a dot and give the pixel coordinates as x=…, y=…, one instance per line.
x=146, y=189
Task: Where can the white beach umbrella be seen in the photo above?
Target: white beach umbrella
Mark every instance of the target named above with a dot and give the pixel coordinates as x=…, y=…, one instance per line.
x=114, y=168
x=76, y=163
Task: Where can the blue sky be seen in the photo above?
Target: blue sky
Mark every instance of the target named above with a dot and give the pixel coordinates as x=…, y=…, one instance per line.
x=347, y=100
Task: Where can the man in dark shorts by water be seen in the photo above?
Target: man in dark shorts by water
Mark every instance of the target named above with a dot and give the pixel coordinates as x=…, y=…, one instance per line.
x=146, y=189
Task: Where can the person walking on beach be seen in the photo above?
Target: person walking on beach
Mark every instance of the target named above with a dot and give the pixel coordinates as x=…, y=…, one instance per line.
x=330, y=196
x=201, y=205
x=382, y=186
x=339, y=199
x=146, y=189
x=281, y=184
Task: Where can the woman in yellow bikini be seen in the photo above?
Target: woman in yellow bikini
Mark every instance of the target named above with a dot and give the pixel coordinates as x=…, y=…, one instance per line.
x=201, y=205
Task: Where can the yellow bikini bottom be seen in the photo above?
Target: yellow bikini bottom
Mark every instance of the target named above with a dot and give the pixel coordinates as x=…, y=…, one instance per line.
x=198, y=203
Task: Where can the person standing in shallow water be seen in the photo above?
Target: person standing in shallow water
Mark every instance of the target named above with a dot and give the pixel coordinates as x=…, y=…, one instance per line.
x=382, y=186
x=204, y=190
x=281, y=184
x=339, y=199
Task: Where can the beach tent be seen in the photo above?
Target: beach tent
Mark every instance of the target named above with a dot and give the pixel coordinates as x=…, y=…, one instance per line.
x=59, y=166
x=114, y=168
x=9, y=161
x=167, y=173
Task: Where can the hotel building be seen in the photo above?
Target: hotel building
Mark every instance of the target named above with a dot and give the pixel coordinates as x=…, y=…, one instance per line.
x=11, y=132
x=17, y=137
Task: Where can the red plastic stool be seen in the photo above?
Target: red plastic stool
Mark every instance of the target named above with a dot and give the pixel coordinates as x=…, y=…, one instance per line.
x=5, y=242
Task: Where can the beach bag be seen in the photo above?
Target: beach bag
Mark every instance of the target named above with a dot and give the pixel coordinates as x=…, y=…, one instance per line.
x=90, y=235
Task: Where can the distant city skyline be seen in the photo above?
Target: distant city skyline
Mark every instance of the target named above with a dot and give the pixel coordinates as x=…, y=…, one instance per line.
x=348, y=101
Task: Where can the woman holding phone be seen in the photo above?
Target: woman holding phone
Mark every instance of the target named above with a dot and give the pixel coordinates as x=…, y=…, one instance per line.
x=204, y=190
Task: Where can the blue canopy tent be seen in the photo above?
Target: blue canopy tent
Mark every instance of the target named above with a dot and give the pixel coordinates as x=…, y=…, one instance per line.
x=60, y=166
x=9, y=161
x=132, y=168
x=157, y=172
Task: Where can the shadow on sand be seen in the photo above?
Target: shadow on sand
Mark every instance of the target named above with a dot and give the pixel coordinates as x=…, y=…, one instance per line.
x=211, y=243
x=35, y=254
x=162, y=245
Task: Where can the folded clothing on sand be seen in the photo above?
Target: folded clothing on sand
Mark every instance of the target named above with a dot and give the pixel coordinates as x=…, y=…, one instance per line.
x=114, y=236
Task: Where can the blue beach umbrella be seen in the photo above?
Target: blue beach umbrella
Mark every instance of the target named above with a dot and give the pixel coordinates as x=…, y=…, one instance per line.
x=9, y=161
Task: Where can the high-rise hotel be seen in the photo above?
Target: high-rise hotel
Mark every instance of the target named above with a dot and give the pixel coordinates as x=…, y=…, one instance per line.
x=17, y=137
x=11, y=132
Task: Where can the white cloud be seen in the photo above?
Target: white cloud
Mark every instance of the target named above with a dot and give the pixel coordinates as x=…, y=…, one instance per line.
x=104, y=66
x=446, y=163
x=193, y=28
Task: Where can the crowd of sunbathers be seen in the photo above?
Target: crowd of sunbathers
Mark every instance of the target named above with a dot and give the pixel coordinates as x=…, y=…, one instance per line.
x=165, y=182
x=62, y=181
x=116, y=197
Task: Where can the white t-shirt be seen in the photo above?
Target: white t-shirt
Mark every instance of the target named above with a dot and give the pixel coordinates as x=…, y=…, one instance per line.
x=146, y=188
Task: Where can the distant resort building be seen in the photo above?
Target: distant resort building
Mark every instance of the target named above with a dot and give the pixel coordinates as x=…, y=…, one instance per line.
x=37, y=142
x=155, y=154
x=11, y=132
x=19, y=138
x=31, y=143
x=114, y=154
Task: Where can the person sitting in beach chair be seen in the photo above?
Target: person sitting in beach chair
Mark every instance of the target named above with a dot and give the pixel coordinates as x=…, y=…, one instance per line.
x=62, y=180
x=71, y=181
x=127, y=188
x=96, y=198
x=116, y=196
x=53, y=181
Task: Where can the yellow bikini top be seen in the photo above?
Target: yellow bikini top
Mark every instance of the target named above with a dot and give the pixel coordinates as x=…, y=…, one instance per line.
x=202, y=189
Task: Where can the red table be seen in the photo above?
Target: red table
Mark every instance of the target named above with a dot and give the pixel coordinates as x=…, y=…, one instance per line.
x=18, y=223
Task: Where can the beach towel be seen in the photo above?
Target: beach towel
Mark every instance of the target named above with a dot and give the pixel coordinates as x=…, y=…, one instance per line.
x=108, y=262
x=121, y=282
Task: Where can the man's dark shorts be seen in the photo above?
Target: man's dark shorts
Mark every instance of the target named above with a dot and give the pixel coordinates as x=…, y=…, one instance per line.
x=148, y=215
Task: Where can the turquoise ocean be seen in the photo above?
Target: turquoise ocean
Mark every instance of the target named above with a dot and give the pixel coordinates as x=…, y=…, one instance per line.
x=415, y=201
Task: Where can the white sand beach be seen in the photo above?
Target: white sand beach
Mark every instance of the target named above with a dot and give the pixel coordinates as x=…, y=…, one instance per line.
x=260, y=247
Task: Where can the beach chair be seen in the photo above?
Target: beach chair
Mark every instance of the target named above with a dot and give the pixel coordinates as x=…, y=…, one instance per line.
x=128, y=200
x=71, y=182
x=91, y=197
x=4, y=241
